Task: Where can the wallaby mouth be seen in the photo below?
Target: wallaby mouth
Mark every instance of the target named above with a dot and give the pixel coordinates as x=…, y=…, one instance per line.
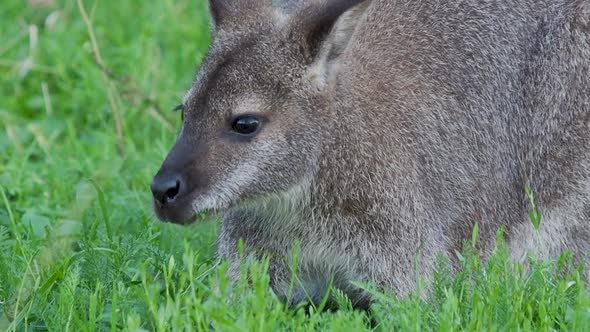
x=182, y=215
x=186, y=208
x=177, y=212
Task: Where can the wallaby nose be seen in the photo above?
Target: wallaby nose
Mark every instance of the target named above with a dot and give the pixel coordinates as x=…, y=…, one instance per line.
x=165, y=188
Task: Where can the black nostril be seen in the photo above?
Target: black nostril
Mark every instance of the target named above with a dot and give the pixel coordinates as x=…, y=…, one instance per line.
x=165, y=189
x=172, y=192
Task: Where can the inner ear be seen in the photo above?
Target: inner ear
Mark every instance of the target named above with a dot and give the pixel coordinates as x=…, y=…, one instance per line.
x=316, y=35
x=325, y=31
x=328, y=21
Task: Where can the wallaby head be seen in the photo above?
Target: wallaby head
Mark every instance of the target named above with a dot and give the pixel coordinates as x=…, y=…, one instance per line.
x=259, y=112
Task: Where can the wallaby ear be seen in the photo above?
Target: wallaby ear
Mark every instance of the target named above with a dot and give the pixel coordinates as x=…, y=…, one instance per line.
x=324, y=29
x=218, y=9
x=223, y=11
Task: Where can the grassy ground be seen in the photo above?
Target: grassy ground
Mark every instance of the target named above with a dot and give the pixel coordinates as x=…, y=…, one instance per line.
x=85, y=123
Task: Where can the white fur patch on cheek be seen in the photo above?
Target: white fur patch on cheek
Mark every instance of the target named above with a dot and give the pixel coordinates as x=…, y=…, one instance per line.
x=244, y=175
x=235, y=182
x=229, y=187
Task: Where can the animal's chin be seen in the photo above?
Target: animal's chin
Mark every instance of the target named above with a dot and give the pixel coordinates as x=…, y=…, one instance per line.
x=173, y=213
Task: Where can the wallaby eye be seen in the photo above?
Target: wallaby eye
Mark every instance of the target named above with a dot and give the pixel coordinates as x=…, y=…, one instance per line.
x=245, y=125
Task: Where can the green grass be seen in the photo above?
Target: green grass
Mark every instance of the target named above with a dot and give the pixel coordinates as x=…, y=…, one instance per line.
x=79, y=247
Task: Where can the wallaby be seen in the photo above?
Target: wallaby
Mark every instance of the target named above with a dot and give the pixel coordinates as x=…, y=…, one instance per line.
x=377, y=133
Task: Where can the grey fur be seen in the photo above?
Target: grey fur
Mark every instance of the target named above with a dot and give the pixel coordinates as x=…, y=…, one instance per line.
x=405, y=125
